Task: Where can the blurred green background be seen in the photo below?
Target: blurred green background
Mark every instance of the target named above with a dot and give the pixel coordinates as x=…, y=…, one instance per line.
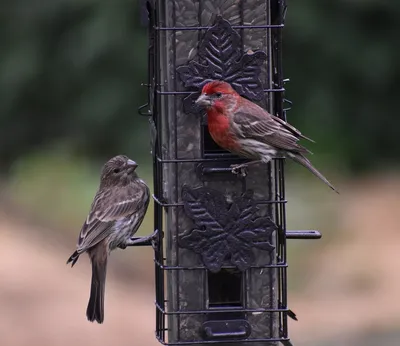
x=70, y=75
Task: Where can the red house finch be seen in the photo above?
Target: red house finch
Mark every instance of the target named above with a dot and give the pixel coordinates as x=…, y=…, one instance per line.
x=117, y=211
x=246, y=129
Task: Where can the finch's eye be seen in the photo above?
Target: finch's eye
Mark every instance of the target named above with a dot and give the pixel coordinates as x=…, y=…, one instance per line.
x=218, y=95
x=116, y=170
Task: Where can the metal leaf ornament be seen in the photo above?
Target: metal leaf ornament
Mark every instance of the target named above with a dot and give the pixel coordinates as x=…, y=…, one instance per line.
x=225, y=230
x=220, y=57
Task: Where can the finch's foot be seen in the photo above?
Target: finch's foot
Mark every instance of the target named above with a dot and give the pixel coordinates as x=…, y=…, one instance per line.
x=240, y=170
x=155, y=240
x=140, y=240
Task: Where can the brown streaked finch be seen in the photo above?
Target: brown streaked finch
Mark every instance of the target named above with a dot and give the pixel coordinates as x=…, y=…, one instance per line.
x=244, y=128
x=116, y=213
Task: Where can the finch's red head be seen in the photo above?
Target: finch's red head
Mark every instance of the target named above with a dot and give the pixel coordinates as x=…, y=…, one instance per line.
x=216, y=94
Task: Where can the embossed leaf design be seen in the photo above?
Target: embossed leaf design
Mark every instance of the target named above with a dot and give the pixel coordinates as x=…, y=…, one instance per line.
x=220, y=48
x=241, y=75
x=225, y=230
x=205, y=207
x=195, y=74
x=220, y=57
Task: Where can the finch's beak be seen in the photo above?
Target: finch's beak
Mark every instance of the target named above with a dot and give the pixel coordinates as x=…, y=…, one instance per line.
x=203, y=100
x=132, y=165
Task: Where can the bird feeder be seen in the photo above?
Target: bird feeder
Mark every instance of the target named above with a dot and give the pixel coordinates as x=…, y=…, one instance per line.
x=221, y=265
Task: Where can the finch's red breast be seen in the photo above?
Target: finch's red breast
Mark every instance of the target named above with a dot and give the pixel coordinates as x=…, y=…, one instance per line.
x=219, y=128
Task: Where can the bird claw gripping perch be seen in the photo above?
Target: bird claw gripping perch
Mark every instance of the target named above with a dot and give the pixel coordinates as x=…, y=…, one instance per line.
x=151, y=239
x=155, y=240
x=240, y=170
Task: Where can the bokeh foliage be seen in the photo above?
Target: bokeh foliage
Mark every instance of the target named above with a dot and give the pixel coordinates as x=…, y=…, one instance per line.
x=343, y=61
x=70, y=73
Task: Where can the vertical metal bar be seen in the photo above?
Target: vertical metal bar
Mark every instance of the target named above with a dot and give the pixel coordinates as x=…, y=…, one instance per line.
x=279, y=97
x=158, y=177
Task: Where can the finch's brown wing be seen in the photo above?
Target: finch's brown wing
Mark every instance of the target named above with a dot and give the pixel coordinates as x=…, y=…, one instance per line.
x=258, y=124
x=108, y=207
x=290, y=128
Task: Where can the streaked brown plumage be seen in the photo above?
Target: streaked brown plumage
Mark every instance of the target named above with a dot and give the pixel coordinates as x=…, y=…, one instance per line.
x=246, y=129
x=116, y=213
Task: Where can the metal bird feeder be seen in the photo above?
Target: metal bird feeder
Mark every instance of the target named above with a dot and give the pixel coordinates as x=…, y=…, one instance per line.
x=221, y=264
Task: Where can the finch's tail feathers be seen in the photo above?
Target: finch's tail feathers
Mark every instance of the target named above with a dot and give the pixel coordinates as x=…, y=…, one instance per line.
x=74, y=257
x=95, y=308
x=299, y=158
x=307, y=138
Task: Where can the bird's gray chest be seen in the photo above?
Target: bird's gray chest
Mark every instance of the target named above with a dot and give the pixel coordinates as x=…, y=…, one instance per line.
x=124, y=230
